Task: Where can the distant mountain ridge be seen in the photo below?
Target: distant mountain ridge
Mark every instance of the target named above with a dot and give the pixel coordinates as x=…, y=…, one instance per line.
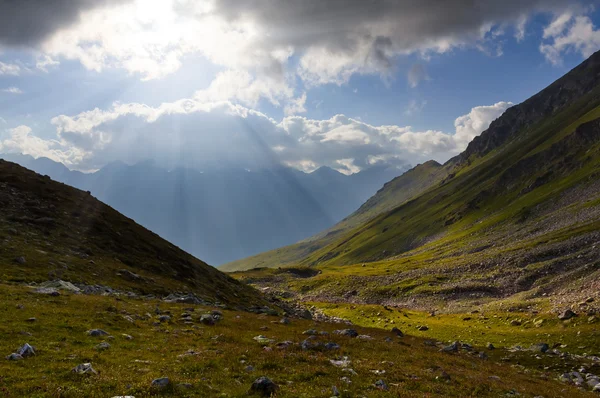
x=222, y=215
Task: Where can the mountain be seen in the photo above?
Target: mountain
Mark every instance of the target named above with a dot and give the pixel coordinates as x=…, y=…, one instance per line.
x=518, y=211
x=52, y=231
x=393, y=194
x=223, y=215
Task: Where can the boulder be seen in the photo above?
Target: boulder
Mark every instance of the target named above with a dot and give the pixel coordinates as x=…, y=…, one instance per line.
x=264, y=387
x=161, y=382
x=566, y=314
x=84, y=368
x=96, y=332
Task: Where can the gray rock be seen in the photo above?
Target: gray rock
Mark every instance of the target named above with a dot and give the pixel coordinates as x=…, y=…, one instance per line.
x=161, y=382
x=284, y=321
x=31, y=320
x=50, y=291
x=103, y=346
x=61, y=285
x=540, y=347
x=14, y=357
x=380, y=384
x=452, y=347
x=332, y=346
x=127, y=336
x=164, y=318
x=207, y=319
x=84, y=368
x=422, y=328
x=397, y=332
x=596, y=388
x=490, y=346
x=249, y=368
x=566, y=314
x=346, y=332
x=20, y=260
x=26, y=351
x=335, y=391
x=483, y=355
x=97, y=332
x=264, y=386
x=310, y=332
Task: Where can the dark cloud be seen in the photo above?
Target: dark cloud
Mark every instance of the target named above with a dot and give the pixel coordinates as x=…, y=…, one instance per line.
x=28, y=22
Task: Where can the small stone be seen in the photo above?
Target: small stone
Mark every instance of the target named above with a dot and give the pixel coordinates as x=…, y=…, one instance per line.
x=264, y=386
x=207, y=319
x=483, y=355
x=20, y=260
x=566, y=314
x=84, y=368
x=310, y=332
x=26, y=351
x=164, y=318
x=249, y=368
x=346, y=379
x=452, y=347
x=31, y=320
x=97, y=332
x=335, y=391
x=103, y=346
x=128, y=318
x=161, y=382
x=422, y=328
x=540, y=347
x=380, y=384
x=284, y=321
x=127, y=336
x=332, y=346
x=397, y=332
x=263, y=340
x=14, y=357
x=443, y=376
x=515, y=322
x=346, y=332
x=490, y=346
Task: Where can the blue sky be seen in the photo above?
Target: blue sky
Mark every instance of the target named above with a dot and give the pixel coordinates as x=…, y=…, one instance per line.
x=325, y=84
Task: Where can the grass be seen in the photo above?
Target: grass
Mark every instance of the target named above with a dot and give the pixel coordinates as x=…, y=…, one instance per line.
x=412, y=369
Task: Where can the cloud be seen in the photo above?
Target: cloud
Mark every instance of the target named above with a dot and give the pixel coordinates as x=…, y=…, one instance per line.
x=332, y=39
x=21, y=140
x=569, y=33
x=9, y=69
x=28, y=22
x=13, y=90
x=414, y=107
x=296, y=106
x=202, y=135
x=416, y=74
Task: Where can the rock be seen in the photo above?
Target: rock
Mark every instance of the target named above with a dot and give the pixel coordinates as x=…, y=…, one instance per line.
x=380, y=384
x=128, y=275
x=249, y=368
x=164, y=318
x=397, y=332
x=128, y=318
x=364, y=337
x=26, y=351
x=388, y=340
x=490, y=346
x=422, y=328
x=346, y=379
x=443, y=376
x=84, y=368
x=61, y=285
x=97, y=332
x=483, y=355
x=310, y=332
x=452, y=347
x=263, y=340
x=566, y=314
x=284, y=321
x=14, y=357
x=217, y=315
x=50, y=291
x=540, y=347
x=207, y=319
x=515, y=322
x=596, y=388
x=340, y=363
x=284, y=344
x=538, y=323
x=332, y=346
x=161, y=382
x=310, y=344
x=20, y=260
x=103, y=346
x=31, y=320
x=127, y=336
x=264, y=387
x=334, y=391
x=346, y=332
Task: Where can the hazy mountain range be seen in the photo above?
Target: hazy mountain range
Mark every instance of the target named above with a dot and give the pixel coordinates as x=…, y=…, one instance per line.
x=223, y=215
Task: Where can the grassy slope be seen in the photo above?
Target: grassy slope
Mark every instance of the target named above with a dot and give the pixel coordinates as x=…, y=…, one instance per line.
x=65, y=233
x=393, y=194
x=225, y=350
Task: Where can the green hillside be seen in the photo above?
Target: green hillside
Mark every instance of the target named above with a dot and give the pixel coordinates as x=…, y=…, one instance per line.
x=51, y=231
x=518, y=211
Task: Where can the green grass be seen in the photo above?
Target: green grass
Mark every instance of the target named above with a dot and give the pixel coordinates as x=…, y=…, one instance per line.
x=224, y=351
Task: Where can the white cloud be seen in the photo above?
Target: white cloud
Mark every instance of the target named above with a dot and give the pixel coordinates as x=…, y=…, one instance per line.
x=416, y=74
x=296, y=106
x=569, y=33
x=21, y=140
x=414, y=107
x=198, y=134
x=9, y=69
x=12, y=90
x=45, y=62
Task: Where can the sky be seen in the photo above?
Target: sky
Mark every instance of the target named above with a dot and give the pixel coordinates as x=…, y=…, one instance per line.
x=347, y=84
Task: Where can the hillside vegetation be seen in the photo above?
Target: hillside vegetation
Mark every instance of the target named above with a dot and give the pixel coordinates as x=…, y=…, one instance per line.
x=517, y=213
x=51, y=231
